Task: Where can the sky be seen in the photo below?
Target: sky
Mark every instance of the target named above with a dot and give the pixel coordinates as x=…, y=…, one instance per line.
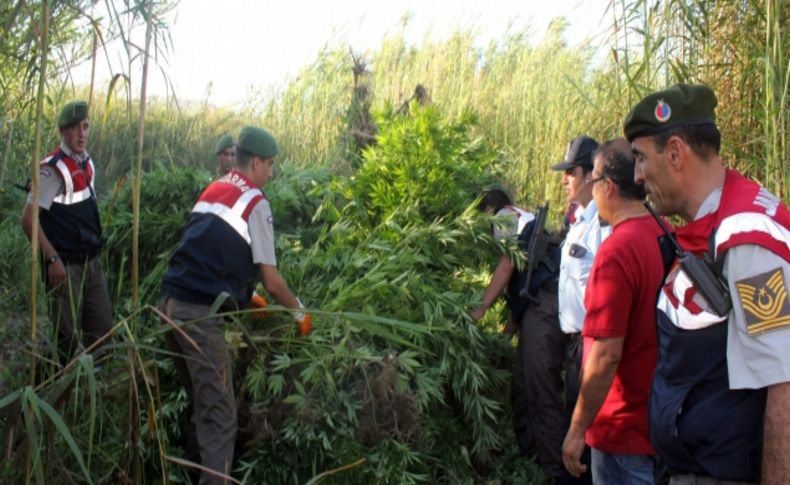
x=224, y=50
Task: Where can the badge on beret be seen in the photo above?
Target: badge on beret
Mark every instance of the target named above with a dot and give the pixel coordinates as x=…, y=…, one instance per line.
x=663, y=111
x=764, y=301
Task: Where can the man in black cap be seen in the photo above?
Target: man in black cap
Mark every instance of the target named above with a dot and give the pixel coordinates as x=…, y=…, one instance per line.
x=227, y=246
x=225, y=151
x=720, y=398
x=70, y=236
x=584, y=237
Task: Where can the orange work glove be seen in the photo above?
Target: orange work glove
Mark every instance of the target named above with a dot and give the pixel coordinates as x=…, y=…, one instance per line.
x=305, y=324
x=259, y=302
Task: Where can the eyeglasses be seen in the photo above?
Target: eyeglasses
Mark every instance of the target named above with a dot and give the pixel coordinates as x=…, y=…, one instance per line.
x=602, y=177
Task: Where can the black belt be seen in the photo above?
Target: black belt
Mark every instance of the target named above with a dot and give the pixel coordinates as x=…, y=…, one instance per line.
x=576, y=337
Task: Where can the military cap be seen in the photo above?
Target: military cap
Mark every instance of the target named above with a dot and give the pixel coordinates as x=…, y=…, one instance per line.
x=679, y=105
x=579, y=154
x=257, y=141
x=72, y=113
x=224, y=142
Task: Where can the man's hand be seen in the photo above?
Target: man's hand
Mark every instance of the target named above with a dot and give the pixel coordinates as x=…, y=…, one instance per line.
x=56, y=274
x=572, y=449
x=477, y=314
x=305, y=324
x=259, y=303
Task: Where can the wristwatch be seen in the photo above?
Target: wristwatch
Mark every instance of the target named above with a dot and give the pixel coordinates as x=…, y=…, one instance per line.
x=52, y=259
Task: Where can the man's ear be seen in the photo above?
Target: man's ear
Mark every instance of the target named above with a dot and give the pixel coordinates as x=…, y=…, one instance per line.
x=676, y=152
x=612, y=189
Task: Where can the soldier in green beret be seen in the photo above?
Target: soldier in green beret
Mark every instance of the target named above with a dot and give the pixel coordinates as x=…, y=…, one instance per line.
x=720, y=397
x=227, y=246
x=70, y=236
x=225, y=151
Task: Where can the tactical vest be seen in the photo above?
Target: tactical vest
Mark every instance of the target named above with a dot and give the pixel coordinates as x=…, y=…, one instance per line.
x=697, y=424
x=541, y=275
x=72, y=222
x=214, y=255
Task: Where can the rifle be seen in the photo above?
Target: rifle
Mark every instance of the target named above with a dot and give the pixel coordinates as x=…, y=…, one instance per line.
x=536, y=251
x=24, y=188
x=706, y=278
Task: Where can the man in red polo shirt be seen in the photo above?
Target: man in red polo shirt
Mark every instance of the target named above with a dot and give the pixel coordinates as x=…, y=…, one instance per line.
x=619, y=331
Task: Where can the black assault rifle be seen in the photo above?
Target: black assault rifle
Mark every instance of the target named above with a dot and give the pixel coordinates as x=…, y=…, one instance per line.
x=701, y=271
x=536, y=251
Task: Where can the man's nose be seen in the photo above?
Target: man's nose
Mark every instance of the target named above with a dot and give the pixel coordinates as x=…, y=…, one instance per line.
x=639, y=176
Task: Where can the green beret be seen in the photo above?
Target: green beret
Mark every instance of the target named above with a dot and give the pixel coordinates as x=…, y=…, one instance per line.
x=681, y=104
x=224, y=142
x=257, y=141
x=72, y=113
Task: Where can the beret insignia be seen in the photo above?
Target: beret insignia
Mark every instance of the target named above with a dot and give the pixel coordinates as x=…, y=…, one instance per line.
x=663, y=111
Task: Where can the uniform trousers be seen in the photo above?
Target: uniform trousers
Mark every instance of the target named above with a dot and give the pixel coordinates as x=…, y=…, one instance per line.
x=536, y=389
x=81, y=308
x=204, y=367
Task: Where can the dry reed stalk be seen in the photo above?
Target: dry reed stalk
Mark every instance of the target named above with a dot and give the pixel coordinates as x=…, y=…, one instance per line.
x=34, y=169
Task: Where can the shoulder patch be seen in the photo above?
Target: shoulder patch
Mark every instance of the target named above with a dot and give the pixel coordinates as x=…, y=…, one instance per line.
x=764, y=301
x=45, y=172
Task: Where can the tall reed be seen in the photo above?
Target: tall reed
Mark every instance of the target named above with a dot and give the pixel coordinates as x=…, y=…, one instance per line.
x=34, y=169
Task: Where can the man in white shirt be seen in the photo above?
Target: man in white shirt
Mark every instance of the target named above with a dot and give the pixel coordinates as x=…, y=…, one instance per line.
x=577, y=253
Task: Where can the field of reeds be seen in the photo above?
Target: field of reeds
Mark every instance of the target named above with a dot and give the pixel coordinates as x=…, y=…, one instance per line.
x=376, y=234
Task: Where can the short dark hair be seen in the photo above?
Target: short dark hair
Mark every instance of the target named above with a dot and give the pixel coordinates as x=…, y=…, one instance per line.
x=704, y=139
x=617, y=164
x=243, y=157
x=494, y=198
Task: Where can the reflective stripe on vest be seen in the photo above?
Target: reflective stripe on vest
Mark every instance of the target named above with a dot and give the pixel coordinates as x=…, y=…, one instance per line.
x=235, y=216
x=683, y=306
x=751, y=228
x=73, y=193
x=748, y=214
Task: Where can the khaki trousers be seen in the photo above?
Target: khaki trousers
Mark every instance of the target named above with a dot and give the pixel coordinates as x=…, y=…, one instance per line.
x=204, y=366
x=80, y=309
